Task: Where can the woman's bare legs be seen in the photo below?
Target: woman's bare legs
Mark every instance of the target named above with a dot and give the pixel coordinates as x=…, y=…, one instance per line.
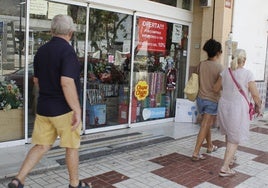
x=208, y=138
x=234, y=156
x=204, y=133
x=228, y=156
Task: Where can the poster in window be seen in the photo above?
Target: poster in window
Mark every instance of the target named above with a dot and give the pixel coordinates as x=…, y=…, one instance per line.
x=177, y=33
x=38, y=7
x=56, y=8
x=152, y=35
x=171, y=79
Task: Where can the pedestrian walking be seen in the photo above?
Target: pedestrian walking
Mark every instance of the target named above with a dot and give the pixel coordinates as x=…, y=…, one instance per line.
x=237, y=84
x=207, y=100
x=56, y=74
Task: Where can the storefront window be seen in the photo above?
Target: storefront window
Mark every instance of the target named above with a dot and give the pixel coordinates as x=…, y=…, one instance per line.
x=159, y=68
x=108, y=68
x=12, y=61
x=167, y=2
x=184, y=4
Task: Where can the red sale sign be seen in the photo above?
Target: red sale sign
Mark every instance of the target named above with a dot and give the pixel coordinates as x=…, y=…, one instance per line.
x=152, y=35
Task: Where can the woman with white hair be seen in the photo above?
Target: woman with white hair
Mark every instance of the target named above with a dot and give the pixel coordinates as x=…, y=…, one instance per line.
x=233, y=108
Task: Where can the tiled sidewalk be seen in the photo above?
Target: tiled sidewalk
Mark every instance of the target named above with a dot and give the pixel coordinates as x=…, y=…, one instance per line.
x=168, y=165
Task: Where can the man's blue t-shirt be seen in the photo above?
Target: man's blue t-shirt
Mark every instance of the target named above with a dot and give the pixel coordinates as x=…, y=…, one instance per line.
x=55, y=59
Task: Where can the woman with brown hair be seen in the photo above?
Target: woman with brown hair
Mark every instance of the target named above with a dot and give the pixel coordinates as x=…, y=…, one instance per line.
x=207, y=100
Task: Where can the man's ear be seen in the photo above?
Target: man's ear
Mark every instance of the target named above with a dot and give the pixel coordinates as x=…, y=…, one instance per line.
x=70, y=35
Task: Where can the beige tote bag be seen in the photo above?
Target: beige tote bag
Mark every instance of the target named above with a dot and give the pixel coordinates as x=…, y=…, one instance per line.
x=192, y=87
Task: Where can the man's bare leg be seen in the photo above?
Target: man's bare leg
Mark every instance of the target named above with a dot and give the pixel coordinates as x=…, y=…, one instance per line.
x=33, y=157
x=72, y=161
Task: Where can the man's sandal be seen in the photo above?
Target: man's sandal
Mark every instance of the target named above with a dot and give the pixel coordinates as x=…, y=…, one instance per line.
x=81, y=185
x=12, y=184
x=198, y=158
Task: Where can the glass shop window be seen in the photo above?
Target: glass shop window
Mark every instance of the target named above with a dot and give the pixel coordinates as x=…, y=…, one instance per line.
x=41, y=14
x=159, y=68
x=12, y=63
x=184, y=4
x=108, y=68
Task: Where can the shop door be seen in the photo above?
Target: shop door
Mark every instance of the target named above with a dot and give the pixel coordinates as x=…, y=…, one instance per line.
x=108, y=70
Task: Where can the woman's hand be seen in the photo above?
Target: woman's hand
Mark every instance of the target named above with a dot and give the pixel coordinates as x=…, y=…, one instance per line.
x=256, y=97
x=218, y=85
x=258, y=110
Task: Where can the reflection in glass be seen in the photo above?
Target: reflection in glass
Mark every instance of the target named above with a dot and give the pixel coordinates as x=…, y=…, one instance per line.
x=40, y=20
x=108, y=68
x=12, y=24
x=159, y=68
x=167, y=2
x=184, y=4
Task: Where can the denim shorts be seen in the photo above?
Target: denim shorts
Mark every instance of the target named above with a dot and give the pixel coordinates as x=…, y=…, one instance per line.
x=206, y=106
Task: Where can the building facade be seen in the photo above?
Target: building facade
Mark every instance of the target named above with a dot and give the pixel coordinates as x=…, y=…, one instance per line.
x=135, y=57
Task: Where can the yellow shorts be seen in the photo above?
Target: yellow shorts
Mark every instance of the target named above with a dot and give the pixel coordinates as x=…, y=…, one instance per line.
x=47, y=129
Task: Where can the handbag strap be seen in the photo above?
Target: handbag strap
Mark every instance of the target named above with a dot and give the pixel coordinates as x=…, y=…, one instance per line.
x=238, y=86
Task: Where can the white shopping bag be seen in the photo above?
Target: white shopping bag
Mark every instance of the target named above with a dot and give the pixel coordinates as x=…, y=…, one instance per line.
x=186, y=111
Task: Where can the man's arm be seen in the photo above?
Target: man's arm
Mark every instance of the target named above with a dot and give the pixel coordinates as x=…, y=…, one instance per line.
x=71, y=96
x=35, y=81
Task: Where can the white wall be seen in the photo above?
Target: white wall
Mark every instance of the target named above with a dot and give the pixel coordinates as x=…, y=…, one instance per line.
x=162, y=11
x=250, y=25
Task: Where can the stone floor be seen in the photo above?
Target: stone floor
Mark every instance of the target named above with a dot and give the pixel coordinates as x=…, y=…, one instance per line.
x=165, y=164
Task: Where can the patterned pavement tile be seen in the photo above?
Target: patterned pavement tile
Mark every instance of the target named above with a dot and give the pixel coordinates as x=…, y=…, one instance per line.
x=168, y=165
x=105, y=180
x=217, y=143
x=260, y=130
x=229, y=182
x=262, y=158
x=220, y=144
x=180, y=169
x=250, y=150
